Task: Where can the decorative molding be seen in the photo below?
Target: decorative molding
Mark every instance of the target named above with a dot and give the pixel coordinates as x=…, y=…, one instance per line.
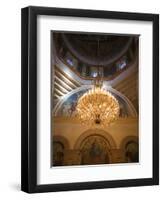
x=128, y=139
x=63, y=140
x=92, y=132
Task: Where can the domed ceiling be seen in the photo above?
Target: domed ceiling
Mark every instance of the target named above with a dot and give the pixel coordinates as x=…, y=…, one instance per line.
x=96, y=50
x=87, y=55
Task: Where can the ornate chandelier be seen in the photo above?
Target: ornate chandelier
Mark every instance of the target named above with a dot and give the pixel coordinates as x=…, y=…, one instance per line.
x=97, y=107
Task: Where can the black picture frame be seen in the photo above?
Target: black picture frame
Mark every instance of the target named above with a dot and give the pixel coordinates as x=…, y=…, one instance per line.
x=29, y=99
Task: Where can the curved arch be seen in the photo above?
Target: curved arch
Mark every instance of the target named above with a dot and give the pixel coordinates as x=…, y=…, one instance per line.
x=63, y=140
x=128, y=139
x=128, y=102
x=131, y=108
x=92, y=132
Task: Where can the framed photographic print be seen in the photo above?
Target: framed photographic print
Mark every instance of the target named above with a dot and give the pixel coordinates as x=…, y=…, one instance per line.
x=90, y=99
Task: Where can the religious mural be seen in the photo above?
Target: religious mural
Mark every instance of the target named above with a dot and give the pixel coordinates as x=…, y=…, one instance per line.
x=95, y=150
x=68, y=107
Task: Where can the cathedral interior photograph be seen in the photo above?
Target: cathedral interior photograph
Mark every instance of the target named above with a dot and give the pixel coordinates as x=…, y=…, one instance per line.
x=94, y=99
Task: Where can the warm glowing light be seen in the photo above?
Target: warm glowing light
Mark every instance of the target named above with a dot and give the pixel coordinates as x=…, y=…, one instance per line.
x=97, y=107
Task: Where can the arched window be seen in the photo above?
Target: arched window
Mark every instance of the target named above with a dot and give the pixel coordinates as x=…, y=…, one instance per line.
x=132, y=152
x=58, y=153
